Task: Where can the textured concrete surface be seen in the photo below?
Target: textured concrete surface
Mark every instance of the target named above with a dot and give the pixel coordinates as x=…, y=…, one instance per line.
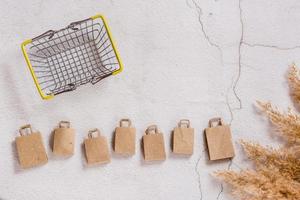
x=193, y=59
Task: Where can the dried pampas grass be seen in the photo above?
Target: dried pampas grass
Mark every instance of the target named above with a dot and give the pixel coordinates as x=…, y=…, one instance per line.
x=287, y=124
x=294, y=83
x=261, y=185
x=277, y=171
x=283, y=160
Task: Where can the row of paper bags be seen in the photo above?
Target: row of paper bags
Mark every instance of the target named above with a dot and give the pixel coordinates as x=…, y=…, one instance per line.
x=31, y=151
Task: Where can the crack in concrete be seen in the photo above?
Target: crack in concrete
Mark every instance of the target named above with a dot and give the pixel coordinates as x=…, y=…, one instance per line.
x=271, y=46
x=234, y=83
x=239, y=59
x=213, y=44
x=188, y=4
x=228, y=104
x=206, y=36
x=222, y=187
x=236, y=165
x=221, y=191
x=200, y=12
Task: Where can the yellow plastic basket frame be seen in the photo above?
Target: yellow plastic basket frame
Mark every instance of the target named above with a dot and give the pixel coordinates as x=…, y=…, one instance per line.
x=42, y=94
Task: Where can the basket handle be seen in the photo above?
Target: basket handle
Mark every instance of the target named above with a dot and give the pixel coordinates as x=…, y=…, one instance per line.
x=49, y=33
x=73, y=24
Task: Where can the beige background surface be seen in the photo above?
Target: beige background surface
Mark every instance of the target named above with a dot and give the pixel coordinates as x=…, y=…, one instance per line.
x=183, y=59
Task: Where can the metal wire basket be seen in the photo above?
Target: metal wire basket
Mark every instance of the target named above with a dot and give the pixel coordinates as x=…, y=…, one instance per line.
x=81, y=53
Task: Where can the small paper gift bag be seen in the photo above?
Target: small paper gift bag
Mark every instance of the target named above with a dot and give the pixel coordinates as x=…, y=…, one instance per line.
x=64, y=136
x=154, y=146
x=183, y=138
x=30, y=148
x=125, y=138
x=219, y=140
x=96, y=148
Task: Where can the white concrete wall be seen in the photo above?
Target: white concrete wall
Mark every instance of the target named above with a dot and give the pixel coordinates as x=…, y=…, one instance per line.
x=182, y=60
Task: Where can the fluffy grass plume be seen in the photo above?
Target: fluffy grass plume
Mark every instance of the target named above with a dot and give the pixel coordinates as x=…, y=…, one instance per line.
x=287, y=123
x=261, y=185
x=294, y=83
x=276, y=175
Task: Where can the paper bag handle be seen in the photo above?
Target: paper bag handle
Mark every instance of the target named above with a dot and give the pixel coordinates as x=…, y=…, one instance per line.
x=91, y=133
x=125, y=120
x=184, y=121
x=23, y=128
x=151, y=128
x=64, y=124
x=218, y=120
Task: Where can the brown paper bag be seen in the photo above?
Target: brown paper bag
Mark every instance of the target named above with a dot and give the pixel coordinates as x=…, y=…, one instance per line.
x=64, y=136
x=154, y=146
x=219, y=140
x=30, y=148
x=183, y=138
x=125, y=138
x=96, y=148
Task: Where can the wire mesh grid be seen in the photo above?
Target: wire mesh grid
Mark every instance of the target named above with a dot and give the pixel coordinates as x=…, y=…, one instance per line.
x=78, y=54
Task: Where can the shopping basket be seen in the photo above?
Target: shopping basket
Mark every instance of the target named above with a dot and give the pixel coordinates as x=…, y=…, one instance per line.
x=81, y=53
